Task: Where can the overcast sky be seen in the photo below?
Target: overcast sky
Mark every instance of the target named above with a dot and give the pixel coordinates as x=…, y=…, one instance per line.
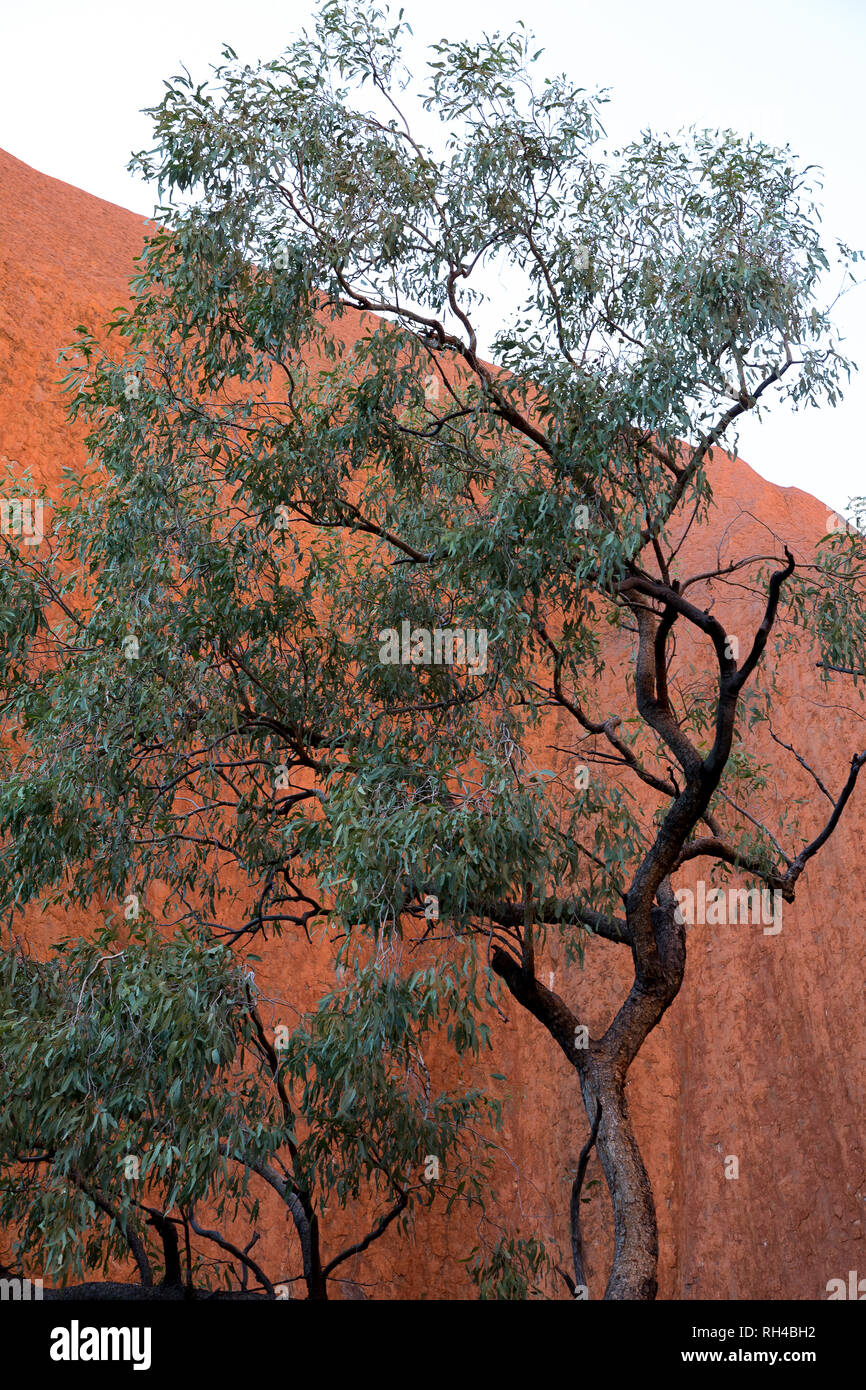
x=75, y=76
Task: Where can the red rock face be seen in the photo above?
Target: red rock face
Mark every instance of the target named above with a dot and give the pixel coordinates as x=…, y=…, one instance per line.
x=763, y=1055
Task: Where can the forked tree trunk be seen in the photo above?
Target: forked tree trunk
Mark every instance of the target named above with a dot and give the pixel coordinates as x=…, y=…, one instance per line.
x=634, y=1271
x=660, y=957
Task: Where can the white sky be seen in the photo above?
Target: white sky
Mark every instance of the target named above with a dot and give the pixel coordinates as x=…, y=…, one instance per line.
x=75, y=75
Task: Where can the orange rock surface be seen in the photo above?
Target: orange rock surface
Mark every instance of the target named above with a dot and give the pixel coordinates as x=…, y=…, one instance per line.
x=762, y=1056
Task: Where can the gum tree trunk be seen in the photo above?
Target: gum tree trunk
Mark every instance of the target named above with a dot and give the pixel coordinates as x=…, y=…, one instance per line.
x=634, y=1272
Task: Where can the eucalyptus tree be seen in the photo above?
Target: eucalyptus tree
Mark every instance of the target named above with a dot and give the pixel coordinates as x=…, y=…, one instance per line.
x=334, y=580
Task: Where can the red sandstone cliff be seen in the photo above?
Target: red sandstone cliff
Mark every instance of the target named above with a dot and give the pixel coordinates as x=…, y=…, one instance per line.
x=763, y=1054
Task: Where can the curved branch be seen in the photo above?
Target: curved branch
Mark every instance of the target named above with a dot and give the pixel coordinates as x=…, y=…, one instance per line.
x=130, y=1236
x=715, y=848
x=378, y=1230
x=799, y=864
x=234, y=1251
